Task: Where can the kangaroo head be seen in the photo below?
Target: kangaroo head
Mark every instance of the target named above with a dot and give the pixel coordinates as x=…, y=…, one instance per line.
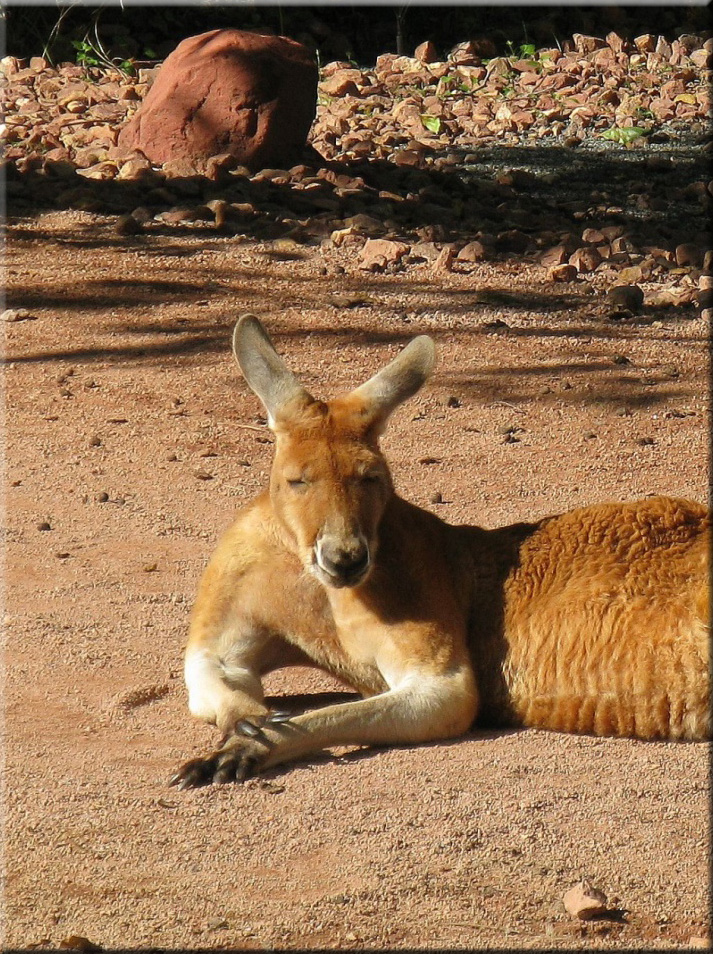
x=330, y=482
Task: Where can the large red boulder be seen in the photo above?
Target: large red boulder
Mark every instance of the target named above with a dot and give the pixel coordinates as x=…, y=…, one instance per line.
x=228, y=91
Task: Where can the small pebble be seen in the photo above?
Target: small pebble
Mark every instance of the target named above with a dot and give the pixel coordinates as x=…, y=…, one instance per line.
x=76, y=942
x=17, y=314
x=44, y=525
x=142, y=215
x=127, y=225
x=102, y=497
x=628, y=297
x=436, y=497
x=562, y=273
x=584, y=902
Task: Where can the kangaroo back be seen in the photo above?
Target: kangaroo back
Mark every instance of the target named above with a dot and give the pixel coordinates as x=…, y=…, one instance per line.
x=605, y=622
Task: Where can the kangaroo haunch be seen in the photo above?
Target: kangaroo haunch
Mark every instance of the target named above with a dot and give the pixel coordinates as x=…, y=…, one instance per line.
x=594, y=621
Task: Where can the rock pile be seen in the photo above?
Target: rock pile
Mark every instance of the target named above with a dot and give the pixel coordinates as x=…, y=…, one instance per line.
x=407, y=168
x=406, y=103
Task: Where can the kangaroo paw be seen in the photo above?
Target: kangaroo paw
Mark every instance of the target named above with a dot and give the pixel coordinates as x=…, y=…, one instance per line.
x=238, y=759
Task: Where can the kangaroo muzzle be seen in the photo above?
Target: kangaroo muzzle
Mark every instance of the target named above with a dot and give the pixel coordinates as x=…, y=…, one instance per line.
x=342, y=563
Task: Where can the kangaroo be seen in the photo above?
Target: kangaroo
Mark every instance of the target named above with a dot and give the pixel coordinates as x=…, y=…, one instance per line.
x=594, y=621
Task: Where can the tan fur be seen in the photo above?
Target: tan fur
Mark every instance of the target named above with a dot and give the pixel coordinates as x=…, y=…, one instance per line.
x=594, y=621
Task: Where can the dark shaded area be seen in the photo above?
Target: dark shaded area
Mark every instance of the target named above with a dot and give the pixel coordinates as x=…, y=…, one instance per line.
x=336, y=30
x=600, y=379
x=594, y=186
x=297, y=703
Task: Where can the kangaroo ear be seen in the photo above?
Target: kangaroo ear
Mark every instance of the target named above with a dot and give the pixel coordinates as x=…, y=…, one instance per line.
x=398, y=381
x=263, y=368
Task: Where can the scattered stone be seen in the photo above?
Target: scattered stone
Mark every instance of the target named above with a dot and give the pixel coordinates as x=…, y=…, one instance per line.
x=342, y=83
x=353, y=300
x=584, y=902
x=44, y=526
x=587, y=44
x=427, y=251
x=557, y=255
x=436, y=498
x=593, y=237
x=704, y=298
x=689, y=254
x=378, y=253
x=586, y=259
x=17, y=314
x=426, y=52
x=629, y=297
x=472, y=252
x=444, y=262
x=128, y=225
x=78, y=943
x=562, y=273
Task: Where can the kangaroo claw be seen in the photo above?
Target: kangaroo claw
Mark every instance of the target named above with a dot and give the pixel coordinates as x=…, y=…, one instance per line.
x=245, y=727
x=192, y=774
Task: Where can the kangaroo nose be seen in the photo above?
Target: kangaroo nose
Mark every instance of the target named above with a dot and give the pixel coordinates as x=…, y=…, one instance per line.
x=347, y=565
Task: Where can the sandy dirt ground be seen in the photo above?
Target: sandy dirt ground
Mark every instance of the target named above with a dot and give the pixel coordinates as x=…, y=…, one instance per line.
x=132, y=440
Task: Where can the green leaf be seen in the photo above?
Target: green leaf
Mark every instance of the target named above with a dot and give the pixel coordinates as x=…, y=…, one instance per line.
x=432, y=123
x=624, y=136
